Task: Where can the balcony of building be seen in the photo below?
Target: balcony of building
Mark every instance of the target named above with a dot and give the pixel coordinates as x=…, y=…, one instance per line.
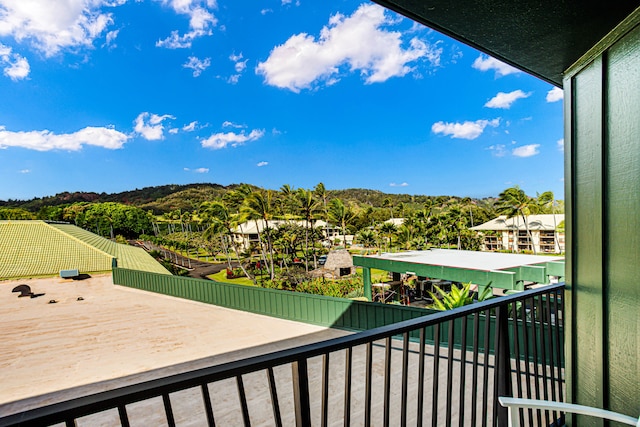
x=446, y=368
x=417, y=371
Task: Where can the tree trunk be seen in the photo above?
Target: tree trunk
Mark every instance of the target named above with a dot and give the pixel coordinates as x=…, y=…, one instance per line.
x=526, y=226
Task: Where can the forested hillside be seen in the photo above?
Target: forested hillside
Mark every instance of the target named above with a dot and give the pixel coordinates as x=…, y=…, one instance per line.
x=166, y=198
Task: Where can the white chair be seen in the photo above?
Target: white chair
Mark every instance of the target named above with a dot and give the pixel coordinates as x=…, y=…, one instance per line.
x=513, y=404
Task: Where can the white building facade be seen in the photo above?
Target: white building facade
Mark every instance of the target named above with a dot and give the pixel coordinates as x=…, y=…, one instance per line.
x=510, y=234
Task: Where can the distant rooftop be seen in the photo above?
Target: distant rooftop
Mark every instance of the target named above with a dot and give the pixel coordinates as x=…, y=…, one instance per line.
x=38, y=248
x=470, y=260
x=500, y=270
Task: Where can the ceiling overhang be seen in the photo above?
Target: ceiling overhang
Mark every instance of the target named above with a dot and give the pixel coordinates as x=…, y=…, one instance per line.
x=541, y=37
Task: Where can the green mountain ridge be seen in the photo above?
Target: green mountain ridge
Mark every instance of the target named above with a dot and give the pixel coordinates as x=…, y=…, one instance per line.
x=187, y=197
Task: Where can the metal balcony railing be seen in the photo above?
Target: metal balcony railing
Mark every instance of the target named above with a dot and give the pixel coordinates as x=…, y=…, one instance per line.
x=445, y=369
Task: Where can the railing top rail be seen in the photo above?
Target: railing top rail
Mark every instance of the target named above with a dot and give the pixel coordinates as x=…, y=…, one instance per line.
x=129, y=394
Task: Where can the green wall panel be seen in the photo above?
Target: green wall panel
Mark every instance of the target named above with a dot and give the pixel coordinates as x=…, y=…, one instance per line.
x=623, y=217
x=587, y=232
x=603, y=226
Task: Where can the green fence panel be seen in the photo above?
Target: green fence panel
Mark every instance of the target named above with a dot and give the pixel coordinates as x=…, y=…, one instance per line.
x=315, y=309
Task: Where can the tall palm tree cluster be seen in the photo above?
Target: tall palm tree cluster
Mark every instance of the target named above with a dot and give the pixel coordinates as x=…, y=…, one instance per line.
x=296, y=238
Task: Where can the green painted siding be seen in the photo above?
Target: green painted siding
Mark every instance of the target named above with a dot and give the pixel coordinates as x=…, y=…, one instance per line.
x=315, y=309
x=588, y=232
x=602, y=135
x=622, y=222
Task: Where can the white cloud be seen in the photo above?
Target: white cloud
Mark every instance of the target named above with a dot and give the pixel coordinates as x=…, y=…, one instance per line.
x=111, y=36
x=174, y=131
x=393, y=184
x=486, y=63
x=261, y=164
x=466, y=130
x=222, y=140
x=177, y=41
x=16, y=67
x=526, y=150
x=201, y=20
x=46, y=140
x=358, y=43
x=227, y=124
x=265, y=11
x=198, y=170
x=239, y=66
x=555, y=94
x=190, y=127
x=561, y=144
x=110, y=39
x=150, y=125
x=52, y=25
x=25, y=171
x=498, y=150
x=197, y=65
x=505, y=100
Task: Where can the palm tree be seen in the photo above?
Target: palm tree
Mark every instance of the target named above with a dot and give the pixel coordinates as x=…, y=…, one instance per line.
x=307, y=207
x=340, y=214
x=388, y=229
x=387, y=203
x=259, y=206
x=547, y=203
x=513, y=202
x=288, y=198
x=423, y=217
x=456, y=219
x=321, y=193
x=367, y=238
x=223, y=221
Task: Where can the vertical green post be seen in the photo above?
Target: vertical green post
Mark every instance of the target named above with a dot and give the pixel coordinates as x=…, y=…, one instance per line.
x=366, y=279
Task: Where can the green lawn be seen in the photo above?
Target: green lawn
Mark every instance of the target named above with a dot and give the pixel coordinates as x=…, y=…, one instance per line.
x=377, y=276
x=222, y=277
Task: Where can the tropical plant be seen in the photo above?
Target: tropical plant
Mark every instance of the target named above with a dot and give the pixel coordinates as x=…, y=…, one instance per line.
x=457, y=297
x=513, y=202
x=222, y=222
x=367, y=238
x=388, y=230
x=340, y=214
x=307, y=207
x=259, y=206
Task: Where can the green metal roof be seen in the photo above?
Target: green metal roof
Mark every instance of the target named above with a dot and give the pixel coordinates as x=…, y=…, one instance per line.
x=36, y=248
x=541, y=37
x=506, y=271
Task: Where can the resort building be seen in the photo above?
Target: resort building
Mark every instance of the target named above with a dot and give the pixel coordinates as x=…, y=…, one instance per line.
x=510, y=234
x=247, y=233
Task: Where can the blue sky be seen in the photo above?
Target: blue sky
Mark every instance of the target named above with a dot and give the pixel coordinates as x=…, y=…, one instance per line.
x=113, y=95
